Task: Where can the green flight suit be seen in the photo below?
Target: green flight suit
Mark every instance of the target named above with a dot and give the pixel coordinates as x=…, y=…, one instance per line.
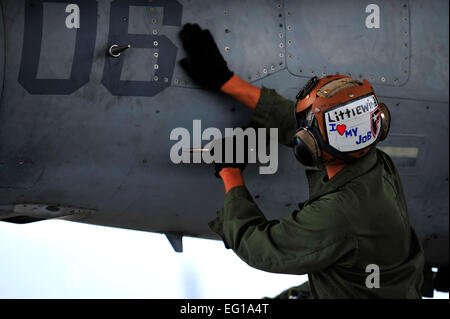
x=356, y=219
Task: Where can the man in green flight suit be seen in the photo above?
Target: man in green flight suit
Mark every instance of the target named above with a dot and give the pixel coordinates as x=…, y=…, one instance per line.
x=353, y=236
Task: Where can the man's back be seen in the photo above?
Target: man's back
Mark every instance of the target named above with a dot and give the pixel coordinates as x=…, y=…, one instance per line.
x=373, y=203
x=356, y=219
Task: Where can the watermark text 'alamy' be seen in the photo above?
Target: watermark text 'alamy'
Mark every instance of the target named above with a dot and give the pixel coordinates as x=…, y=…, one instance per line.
x=256, y=147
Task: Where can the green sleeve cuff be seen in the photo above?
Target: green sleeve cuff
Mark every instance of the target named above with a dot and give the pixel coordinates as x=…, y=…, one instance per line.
x=262, y=112
x=237, y=192
x=275, y=111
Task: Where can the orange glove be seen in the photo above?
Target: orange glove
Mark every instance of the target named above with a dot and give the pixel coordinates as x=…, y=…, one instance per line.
x=231, y=177
x=242, y=91
x=248, y=95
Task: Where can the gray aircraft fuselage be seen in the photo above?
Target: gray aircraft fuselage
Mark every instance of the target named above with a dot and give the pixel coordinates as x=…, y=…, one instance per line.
x=85, y=136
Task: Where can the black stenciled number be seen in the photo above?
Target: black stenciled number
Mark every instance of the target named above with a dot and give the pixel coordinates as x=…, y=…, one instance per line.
x=118, y=34
x=32, y=40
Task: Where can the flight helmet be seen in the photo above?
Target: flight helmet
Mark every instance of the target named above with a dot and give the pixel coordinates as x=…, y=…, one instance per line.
x=339, y=119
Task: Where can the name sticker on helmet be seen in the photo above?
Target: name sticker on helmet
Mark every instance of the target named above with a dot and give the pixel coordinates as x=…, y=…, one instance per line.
x=353, y=126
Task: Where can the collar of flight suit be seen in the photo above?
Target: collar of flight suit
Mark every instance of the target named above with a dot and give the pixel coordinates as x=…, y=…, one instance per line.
x=318, y=181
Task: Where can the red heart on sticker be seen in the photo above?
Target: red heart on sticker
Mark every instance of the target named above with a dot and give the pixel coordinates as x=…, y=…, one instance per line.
x=341, y=128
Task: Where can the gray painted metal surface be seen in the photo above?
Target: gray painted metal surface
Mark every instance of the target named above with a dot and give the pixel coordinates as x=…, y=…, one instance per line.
x=176, y=240
x=82, y=129
x=338, y=42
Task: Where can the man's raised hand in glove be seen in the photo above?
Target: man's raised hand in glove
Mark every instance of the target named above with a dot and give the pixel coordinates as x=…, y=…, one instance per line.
x=203, y=63
x=206, y=65
x=231, y=171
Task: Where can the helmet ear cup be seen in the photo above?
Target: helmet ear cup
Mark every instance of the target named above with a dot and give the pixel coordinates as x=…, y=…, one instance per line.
x=385, y=121
x=305, y=147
